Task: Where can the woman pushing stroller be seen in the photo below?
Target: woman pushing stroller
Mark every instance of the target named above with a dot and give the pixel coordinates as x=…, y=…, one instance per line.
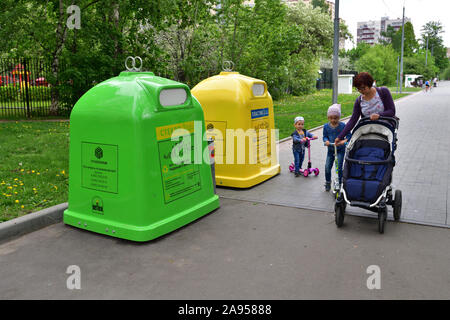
x=374, y=102
x=370, y=159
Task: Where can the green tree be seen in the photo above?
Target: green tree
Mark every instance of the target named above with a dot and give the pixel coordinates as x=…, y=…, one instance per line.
x=357, y=52
x=432, y=31
x=322, y=5
x=415, y=64
x=316, y=41
x=410, y=44
x=381, y=62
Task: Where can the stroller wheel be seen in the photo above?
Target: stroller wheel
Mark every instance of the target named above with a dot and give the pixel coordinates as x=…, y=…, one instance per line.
x=339, y=215
x=397, y=205
x=382, y=215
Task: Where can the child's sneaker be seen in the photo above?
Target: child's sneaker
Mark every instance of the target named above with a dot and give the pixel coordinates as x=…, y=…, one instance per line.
x=327, y=186
x=297, y=174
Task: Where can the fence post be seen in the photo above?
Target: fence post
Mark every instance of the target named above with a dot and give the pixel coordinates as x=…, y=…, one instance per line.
x=27, y=97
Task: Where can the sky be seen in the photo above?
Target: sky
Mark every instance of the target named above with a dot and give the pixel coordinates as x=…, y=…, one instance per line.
x=420, y=12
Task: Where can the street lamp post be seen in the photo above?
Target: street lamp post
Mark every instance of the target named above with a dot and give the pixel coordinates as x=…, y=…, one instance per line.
x=335, y=52
x=403, y=40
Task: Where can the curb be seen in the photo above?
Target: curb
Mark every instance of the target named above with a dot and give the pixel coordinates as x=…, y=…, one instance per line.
x=31, y=222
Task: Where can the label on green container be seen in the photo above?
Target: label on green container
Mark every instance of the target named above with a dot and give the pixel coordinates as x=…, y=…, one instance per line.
x=99, y=167
x=181, y=179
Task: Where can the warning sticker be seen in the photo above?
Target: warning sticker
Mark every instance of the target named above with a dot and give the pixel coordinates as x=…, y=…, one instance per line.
x=216, y=130
x=262, y=128
x=179, y=179
x=99, y=167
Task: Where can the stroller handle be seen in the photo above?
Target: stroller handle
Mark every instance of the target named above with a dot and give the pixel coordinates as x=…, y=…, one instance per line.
x=394, y=119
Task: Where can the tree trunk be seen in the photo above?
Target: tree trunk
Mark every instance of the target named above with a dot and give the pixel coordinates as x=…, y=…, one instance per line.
x=61, y=33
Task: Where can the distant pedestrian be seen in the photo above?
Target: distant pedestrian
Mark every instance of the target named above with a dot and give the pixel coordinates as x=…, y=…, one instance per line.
x=427, y=85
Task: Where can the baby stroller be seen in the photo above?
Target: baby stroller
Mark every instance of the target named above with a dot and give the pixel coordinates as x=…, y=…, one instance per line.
x=367, y=174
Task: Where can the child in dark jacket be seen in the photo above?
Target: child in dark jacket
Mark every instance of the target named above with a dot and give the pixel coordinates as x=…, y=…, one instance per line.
x=330, y=131
x=299, y=142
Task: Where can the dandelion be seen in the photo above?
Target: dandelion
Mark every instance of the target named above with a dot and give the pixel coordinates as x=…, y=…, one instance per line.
x=22, y=206
x=17, y=201
x=32, y=171
x=63, y=172
x=38, y=173
x=9, y=187
x=15, y=179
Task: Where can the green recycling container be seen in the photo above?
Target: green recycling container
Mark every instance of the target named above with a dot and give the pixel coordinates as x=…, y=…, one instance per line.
x=123, y=178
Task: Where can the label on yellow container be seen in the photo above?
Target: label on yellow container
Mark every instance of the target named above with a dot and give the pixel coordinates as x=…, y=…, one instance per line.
x=216, y=130
x=260, y=122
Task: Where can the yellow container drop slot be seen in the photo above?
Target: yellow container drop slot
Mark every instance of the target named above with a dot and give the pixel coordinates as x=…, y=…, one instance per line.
x=239, y=118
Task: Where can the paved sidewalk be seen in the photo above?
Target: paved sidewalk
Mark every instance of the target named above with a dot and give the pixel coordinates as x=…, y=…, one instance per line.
x=243, y=250
x=422, y=171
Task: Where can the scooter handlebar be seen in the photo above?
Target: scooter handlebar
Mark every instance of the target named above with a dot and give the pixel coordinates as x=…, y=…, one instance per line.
x=332, y=144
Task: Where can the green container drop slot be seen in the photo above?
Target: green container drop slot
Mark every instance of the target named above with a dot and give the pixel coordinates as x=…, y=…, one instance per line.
x=123, y=179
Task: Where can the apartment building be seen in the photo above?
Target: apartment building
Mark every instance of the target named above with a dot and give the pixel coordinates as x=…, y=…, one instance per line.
x=371, y=31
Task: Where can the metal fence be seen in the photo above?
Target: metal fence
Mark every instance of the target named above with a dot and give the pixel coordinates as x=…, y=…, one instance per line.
x=326, y=78
x=24, y=88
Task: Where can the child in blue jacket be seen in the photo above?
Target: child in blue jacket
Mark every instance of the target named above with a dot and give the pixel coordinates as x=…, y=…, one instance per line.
x=330, y=131
x=299, y=143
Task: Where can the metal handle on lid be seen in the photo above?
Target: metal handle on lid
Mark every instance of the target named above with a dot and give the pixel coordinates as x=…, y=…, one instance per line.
x=133, y=64
x=228, y=66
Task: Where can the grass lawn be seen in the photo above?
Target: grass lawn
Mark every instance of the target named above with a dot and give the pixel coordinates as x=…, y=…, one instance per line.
x=18, y=111
x=412, y=89
x=33, y=166
x=34, y=157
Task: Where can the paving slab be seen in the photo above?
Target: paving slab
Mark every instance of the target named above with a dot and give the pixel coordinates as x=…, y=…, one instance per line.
x=422, y=171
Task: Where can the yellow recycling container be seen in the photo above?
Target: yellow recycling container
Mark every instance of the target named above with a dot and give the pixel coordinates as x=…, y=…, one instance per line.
x=239, y=118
